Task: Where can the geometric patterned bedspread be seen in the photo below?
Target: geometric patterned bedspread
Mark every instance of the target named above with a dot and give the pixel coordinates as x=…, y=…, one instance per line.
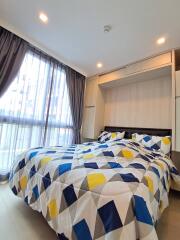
x=113, y=191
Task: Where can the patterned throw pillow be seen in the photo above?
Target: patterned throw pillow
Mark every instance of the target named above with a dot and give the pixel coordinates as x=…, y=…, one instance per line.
x=102, y=136
x=109, y=136
x=162, y=144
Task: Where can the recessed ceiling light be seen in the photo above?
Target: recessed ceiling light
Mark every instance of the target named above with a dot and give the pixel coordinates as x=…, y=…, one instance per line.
x=43, y=17
x=99, y=65
x=161, y=40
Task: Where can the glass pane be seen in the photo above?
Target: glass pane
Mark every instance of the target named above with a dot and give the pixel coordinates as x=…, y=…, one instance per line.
x=23, y=109
x=26, y=96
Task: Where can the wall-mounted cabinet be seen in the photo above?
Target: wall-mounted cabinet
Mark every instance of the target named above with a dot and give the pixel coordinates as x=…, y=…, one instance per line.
x=147, y=69
x=158, y=67
x=150, y=63
x=93, y=118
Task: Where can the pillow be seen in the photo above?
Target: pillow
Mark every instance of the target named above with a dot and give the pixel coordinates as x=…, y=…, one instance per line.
x=102, y=136
x=108, y=136
x=162, y=144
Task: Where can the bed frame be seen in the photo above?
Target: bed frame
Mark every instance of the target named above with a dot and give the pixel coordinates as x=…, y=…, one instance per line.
x=129, y=131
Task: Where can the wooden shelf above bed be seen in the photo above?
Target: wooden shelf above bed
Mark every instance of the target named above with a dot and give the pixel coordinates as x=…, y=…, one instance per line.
x=146, y=75
x=148, y=69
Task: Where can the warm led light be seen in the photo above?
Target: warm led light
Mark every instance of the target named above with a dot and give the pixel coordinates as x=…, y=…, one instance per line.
x=99, y=65
x=161, y=40
x=43, y=17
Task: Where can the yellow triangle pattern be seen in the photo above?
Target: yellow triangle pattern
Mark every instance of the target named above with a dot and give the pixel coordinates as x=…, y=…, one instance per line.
x=87, y=156
x=160, y=165
x=95, y=179
x=53, y=209
x=166, y=140
x=45, y=160
x=23, y=182
x=127, y=153
x=150, y=184
x=113, y=135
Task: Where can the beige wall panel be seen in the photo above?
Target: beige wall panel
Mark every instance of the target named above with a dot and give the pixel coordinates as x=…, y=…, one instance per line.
x=141, y=104
x=93, y=116
x=91, y=91
x=99, y=121
x=178, y=124
x=88, y=122
x=178, y=83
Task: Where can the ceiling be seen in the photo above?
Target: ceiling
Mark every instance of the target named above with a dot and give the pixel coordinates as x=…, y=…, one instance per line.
x=74, y=33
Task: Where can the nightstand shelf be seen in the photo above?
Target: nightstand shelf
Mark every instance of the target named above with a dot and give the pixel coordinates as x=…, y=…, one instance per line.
x=175, y=156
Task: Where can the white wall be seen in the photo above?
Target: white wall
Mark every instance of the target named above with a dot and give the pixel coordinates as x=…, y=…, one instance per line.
x=12, y=29
x=141, y=104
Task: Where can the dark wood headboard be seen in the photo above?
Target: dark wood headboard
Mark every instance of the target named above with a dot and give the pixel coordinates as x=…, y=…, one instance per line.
x=129, y=131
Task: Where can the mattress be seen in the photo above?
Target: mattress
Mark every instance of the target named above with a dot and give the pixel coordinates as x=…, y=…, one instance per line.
x=114, y=191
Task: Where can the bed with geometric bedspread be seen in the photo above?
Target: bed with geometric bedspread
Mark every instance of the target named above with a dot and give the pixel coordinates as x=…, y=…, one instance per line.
x=113, y=191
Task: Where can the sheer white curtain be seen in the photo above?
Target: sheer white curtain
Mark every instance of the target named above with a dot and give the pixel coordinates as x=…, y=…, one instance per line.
x=35, y=110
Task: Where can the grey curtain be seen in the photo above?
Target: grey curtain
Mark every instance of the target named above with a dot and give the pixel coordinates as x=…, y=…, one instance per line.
x=12, y=52
x=76, y=84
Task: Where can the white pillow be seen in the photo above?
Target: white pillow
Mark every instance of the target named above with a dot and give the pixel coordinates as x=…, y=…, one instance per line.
x=162, y=144
x=110, y=136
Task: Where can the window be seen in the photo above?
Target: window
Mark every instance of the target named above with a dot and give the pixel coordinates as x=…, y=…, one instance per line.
x=35, y=110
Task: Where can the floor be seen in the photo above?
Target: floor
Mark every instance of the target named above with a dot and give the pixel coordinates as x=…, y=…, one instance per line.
x=168, y=227
x=19, y=222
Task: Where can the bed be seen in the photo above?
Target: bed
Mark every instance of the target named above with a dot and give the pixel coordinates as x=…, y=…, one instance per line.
x=116, y=190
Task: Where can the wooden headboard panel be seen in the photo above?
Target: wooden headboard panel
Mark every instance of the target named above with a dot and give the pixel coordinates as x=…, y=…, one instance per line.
x=129, y=131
